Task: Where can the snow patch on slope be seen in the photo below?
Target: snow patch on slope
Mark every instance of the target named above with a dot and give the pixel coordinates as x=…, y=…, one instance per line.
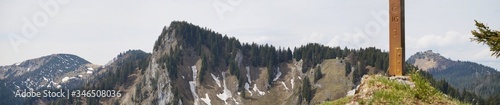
x=248, y=74
x=237, y=103
x=45, y=79
x=216, y=79
x=257, y=90
x=247, y=87
x=195, y=72
x=283, y=83
x=192, y=84
x=206, y=99
x=226, y=93
x=65, y=79
x=278, y=75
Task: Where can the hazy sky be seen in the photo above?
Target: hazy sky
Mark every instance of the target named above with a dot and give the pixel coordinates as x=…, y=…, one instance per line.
x=98, y=30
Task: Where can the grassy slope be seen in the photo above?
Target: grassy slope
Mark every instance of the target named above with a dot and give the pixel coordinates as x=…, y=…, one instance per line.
x=379, y=89
x=334, y=84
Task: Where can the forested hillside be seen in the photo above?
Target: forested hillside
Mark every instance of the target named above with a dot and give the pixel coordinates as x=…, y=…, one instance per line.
x=182, y=43
x=465, y=76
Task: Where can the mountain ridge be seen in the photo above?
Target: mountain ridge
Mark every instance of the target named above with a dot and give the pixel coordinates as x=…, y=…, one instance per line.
x=54, y=71
x=467, y=75
x=67, y=71
x=190, y=64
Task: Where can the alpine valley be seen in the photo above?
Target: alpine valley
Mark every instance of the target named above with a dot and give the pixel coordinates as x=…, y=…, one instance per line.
x=192, y=65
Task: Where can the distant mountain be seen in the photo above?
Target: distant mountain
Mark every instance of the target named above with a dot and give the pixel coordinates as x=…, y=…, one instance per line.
x=66, y=71
x=473, y=77
x=48, y=72
x=56, y=71
x=429, y=60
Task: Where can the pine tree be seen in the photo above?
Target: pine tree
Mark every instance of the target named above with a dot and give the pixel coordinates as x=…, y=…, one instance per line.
x=306, y=89
x=318, y=74
x=289, y=55
x=348, y=68
x=254, y=54
x=485, y=35
x=204, y=68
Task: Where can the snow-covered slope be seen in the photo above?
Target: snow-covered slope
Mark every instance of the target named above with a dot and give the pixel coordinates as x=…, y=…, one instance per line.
x=52, y=71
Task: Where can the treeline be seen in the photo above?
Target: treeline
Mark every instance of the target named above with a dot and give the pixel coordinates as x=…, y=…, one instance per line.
x=267, y=56
x=219, y=52
x=356, y=59
x=314, y=53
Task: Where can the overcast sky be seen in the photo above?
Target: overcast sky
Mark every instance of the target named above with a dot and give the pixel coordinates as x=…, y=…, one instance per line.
x=98, y=30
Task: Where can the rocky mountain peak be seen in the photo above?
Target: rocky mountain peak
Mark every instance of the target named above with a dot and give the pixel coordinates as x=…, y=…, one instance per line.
x=169, y=36
x=429, y=60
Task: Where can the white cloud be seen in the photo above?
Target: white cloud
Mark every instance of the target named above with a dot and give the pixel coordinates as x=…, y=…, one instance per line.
x=286, y=24
x=350, y=40
x=313, y=37
x=449, y=39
